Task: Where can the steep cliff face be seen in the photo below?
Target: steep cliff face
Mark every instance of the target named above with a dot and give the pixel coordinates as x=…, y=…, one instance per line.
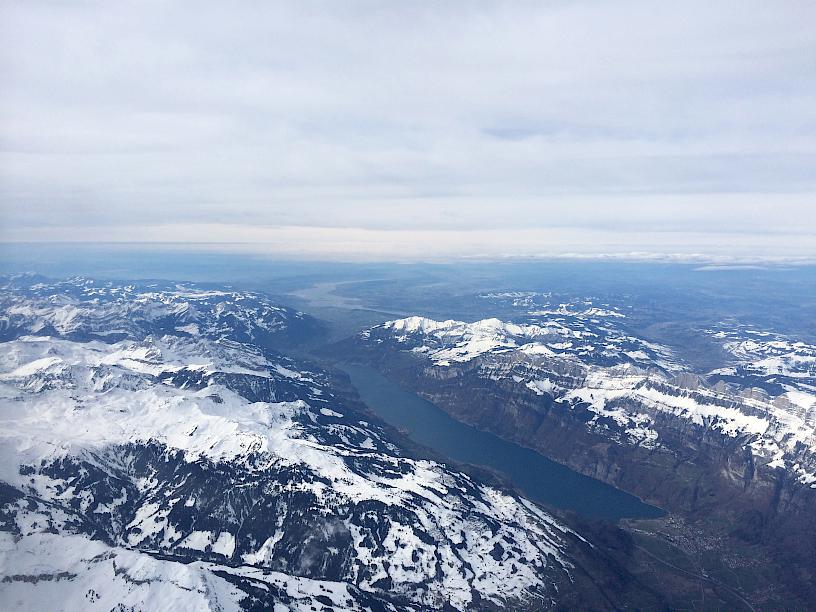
x=733, y=453
x=600, y=446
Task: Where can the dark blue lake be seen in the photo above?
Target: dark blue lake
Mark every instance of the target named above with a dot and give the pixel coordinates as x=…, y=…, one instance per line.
x=536, y=476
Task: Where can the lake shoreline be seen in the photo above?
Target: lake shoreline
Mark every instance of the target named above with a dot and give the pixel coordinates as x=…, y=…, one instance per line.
x=532, y=474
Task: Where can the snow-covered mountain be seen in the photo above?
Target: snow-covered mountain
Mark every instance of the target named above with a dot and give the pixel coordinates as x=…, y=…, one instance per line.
x=148, y=465
x=457, y=341
x=85, y=309
x=730, y=449
x=769, y=361
x=627, y=389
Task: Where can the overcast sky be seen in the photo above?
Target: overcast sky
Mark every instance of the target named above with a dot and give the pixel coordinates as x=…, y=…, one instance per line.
x=413, y=129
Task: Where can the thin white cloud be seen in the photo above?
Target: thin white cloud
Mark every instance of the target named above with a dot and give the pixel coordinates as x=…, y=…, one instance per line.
x=440, y=120
x=361, y=244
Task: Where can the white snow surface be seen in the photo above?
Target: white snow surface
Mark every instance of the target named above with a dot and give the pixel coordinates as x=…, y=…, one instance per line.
x=460, y=341
x=65, y=573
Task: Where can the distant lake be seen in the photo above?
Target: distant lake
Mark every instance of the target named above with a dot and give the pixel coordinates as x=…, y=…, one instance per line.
x=536, y=476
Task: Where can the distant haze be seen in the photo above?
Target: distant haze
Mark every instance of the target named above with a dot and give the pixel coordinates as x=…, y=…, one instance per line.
x=414, y=130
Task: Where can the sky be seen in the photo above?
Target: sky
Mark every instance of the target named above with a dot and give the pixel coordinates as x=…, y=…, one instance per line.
x=413, y=130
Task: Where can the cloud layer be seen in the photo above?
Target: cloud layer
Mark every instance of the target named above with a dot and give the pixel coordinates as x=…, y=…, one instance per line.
x=427, y=123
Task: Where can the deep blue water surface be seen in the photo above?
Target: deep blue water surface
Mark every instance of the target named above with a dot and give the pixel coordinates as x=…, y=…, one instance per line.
x=539, y=478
